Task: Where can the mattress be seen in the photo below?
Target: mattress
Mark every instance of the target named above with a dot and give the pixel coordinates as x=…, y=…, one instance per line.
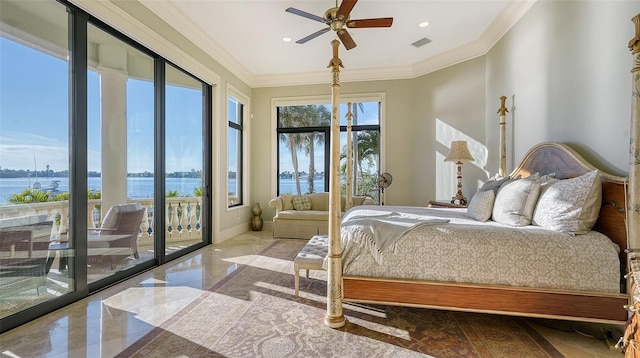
x=467, y=251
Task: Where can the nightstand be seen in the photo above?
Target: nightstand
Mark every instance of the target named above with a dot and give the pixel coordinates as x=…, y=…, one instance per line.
x=444, y=204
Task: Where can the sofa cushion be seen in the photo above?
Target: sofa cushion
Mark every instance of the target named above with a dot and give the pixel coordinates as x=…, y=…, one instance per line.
x=302, y=203
x=316, y=215
x=358, y=200
x=287, y=201
x=319, y=201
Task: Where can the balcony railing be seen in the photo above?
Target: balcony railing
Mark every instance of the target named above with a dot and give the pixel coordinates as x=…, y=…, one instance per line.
x=183, y=217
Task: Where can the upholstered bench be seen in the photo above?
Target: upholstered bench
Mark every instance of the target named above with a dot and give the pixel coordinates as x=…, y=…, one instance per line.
x=310, y=257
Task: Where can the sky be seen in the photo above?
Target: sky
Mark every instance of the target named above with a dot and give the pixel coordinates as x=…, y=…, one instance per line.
x=34, y=116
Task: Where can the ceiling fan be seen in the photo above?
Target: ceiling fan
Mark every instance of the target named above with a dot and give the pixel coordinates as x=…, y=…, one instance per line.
x=338, y=18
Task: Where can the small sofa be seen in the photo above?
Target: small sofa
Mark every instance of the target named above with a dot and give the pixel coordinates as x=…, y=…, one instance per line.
x=306, y=222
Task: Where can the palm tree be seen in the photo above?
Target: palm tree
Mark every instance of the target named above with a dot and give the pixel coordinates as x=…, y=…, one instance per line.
x=316, y=116
x=292, y=116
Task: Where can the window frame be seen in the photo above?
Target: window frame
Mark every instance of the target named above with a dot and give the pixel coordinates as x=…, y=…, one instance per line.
x=315, y=100
x=241, y=184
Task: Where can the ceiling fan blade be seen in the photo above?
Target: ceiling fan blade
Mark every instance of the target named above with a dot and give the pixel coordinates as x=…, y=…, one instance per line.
x=306, y=14
x=345, y=8
x=346, y=39
x=312, y=36
x=362, y=23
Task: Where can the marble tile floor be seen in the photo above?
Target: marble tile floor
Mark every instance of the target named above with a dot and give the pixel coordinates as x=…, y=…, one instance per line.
x=107, y=322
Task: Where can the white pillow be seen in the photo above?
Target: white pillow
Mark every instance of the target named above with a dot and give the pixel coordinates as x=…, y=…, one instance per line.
x=493, y=184
x=570, y=205
x=516, y=201
x=481, y=205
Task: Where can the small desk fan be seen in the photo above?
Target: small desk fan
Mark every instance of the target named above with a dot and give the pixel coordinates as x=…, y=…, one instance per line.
x=384, y=180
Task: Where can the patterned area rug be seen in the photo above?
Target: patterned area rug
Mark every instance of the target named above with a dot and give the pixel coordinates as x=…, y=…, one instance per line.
x=253, y=313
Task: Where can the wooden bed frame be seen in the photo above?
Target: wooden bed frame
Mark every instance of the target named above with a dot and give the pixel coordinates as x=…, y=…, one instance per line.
x=544, y=158
x=619, y=219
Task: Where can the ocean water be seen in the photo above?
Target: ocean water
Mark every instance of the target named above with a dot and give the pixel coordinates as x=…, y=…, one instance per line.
x=137, y=188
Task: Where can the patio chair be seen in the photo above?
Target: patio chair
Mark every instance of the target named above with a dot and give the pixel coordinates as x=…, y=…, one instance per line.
x=117, y=236
x=24, y=243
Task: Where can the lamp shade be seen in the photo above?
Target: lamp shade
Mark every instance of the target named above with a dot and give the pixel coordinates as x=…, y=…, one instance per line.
x=459, y=152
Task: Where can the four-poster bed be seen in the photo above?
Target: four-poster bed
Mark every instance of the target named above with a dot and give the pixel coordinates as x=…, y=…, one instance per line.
x=619, y=219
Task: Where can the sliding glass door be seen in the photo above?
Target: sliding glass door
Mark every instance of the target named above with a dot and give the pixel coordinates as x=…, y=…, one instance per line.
x=104, y=158
x=34, y=155
x=120, y=155
x=184, y=153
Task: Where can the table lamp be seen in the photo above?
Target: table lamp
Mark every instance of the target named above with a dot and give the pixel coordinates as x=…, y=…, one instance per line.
x=459, y=153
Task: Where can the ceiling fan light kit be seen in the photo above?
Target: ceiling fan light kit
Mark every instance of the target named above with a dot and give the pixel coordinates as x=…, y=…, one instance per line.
x=337, y=18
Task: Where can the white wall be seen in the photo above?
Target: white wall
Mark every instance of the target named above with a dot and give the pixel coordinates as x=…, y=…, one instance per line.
x=565, y=69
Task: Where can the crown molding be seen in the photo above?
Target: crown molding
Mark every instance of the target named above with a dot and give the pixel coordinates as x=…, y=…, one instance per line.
x=498, y=28
x=166, y=11
x=181, y=23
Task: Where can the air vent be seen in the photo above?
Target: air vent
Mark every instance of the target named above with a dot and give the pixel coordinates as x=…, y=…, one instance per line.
x=423, y=41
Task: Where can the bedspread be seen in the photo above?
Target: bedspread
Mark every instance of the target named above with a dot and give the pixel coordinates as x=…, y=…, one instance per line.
x=468, y=251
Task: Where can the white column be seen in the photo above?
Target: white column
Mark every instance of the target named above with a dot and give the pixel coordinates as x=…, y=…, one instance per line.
x=113, y=120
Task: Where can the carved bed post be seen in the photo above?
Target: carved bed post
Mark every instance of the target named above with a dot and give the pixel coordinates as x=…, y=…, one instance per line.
x=502, y=171
x=334, y=317
x=634, y=146
x=349, y=187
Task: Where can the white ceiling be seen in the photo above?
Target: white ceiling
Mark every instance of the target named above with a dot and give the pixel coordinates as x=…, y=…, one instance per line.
x=246, y=36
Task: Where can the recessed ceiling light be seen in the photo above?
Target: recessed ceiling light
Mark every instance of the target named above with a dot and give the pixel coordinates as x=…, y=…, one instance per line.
x=286, y=39
x=423, y=24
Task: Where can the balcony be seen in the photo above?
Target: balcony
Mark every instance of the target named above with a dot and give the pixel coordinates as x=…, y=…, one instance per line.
x=183, y=220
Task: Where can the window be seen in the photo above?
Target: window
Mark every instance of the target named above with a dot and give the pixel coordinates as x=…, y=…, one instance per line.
x=235, y=144
x=184, y=158
x=303, y=147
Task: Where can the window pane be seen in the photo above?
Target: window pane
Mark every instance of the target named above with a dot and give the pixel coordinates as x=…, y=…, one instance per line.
x=34, y=154
x=363, y=113
x=120, y=155
x=234, y=160
x=235, y=167
x=304, y=116
x=366, y=162
x=302, y=166
x=184, y=159
x=302, y=169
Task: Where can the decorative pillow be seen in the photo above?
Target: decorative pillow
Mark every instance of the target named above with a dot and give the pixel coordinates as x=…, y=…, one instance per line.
x=301, y=203
x=493, y=184
x=516, y=201
x=570, y=205
x=287, y=201
x=481, y=205
x=358, y=200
